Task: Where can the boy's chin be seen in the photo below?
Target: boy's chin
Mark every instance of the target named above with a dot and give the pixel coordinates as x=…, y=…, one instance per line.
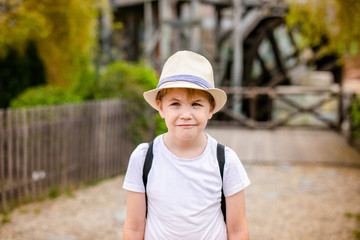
x=189, y=135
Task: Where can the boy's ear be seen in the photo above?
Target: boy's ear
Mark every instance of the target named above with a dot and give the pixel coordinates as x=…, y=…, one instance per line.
x=211, y=113
x=158, y=103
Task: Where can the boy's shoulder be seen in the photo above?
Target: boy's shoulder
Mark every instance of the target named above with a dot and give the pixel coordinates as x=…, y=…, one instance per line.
x=142, y=148
x=139, y=152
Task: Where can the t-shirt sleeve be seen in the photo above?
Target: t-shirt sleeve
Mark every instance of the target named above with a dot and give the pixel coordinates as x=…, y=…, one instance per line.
x=235, y=176
x=133, y=177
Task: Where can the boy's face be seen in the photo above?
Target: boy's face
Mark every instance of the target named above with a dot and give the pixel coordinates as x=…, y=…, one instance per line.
x=185, y=117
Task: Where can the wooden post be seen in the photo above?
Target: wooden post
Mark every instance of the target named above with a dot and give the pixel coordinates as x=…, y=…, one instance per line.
x=105, y=29
x=32, y=152
x=17, y=156
x=218, y=71
x=86, y=142
x=93, y=131
x=237, y=69
x=148, y=17
x=195, y=31
x=64, y=149
x=10, y=158
x=25, y=153
x=38, y=149
x=70, y=162
x=43, y=151
x=165, y=16
x=102, y=140
x=340, y=112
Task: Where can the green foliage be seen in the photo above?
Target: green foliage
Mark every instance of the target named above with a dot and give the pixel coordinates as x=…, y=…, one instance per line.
x=309, y=17
x=5, y=218
x=19, y=71
x=357, y=234
x=355, y=117
x=63, y=31
x=336, y=20
x=85, y=85
x=67, y=50
x=161, y=126
x=20, y=23
x=349, y=32
x=54, y=193
x=37, y=210
x=44, y=95
x=356, y=216
x=129, y=81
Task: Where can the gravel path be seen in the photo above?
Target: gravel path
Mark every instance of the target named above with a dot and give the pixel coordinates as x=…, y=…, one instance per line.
x=283, y=202
x=298, y=203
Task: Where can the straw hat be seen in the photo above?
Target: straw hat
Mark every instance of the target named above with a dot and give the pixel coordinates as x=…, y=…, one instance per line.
x=187, y=69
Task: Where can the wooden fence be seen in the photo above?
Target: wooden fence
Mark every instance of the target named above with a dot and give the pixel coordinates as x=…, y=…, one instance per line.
x=60, y=147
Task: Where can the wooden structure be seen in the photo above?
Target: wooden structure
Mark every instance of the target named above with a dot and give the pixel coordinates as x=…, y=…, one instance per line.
x=58, y=148
x=248, y=43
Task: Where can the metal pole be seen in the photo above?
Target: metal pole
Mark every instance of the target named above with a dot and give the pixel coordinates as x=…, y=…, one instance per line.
x=237, y=68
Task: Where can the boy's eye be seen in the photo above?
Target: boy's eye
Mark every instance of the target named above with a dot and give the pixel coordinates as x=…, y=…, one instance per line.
x=196, y=104
x=175, y=104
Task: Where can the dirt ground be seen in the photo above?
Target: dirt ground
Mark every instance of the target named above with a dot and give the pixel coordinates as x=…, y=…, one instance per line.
x=287, y=202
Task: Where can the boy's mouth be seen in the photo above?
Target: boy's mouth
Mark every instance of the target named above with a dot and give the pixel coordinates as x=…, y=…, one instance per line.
x=186, y=125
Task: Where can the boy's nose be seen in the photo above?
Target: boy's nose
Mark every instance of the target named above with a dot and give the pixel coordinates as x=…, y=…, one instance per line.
x=186, y=113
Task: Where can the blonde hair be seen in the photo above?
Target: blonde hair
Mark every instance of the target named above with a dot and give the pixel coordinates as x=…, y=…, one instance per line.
x=190, y=93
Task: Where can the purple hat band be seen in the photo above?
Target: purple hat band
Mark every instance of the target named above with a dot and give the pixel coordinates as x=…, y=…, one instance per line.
x=187, y=78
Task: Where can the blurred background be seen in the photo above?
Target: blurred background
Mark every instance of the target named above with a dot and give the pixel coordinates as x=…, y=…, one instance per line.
x=72, y=74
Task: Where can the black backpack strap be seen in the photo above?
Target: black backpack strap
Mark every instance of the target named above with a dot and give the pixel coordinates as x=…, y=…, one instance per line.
x=146, y=168
x=221, y=162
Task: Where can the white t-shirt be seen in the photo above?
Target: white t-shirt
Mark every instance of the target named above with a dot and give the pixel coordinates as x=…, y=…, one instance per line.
x=184, y=194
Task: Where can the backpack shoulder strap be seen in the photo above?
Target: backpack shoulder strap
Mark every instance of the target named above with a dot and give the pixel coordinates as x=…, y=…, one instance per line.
x=146, y=168
x=221, y=162
x=147, y=163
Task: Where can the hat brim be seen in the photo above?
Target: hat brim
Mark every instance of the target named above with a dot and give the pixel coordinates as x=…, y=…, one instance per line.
x=219, y=95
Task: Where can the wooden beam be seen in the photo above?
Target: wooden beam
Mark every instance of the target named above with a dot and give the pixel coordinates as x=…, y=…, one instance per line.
x=148, y=17
x=165, y=15
x=286, y=90
x=237, y=69
x=195, y=30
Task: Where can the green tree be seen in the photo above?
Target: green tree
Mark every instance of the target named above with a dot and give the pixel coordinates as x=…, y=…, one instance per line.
x=18, y=72
x=64, y=32
x=336, y=20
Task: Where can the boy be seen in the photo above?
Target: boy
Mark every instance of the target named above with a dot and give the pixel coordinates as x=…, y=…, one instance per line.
x=184, y=184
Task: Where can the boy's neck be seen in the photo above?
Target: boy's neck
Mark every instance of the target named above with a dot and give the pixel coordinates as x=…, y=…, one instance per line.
x=187, y=149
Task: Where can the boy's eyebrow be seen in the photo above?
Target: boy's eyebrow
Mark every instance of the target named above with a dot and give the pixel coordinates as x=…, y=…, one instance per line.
x=174, y=99
x=199, y=100
x=195, y=100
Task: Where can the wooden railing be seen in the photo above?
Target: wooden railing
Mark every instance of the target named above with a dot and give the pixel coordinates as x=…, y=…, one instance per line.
x=286, y=95
x=56, y=148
